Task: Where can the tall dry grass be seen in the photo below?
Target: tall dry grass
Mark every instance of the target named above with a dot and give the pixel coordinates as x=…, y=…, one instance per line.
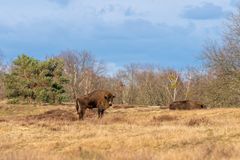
x=54, y=132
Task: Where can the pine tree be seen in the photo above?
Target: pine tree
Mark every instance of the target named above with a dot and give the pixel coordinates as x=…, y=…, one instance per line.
x=37, y=81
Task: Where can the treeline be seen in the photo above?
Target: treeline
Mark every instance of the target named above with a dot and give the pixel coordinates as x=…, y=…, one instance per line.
x=72, y=73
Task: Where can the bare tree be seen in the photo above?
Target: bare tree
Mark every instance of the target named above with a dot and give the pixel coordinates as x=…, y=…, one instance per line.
x=188, y=78
x=223, y=62
x=149, y=85
x=128, y=77
x=83, y=71
x=173, y=84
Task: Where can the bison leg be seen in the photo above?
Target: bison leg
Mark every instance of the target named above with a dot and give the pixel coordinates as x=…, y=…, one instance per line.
x=81, y=113
x=100, y=112
x=77, y=105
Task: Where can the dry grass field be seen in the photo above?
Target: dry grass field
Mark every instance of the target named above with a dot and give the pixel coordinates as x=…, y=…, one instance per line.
x=143, y=133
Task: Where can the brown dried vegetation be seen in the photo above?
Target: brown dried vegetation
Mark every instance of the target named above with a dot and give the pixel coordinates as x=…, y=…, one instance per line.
x=56, y=115
x=54, y=132
x=198, y=121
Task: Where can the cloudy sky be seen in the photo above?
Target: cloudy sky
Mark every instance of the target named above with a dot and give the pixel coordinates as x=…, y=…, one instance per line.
x=169, y=33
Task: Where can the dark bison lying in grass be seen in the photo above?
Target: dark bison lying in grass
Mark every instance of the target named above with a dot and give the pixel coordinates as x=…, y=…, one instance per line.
x=100, y=99
x=186, y=105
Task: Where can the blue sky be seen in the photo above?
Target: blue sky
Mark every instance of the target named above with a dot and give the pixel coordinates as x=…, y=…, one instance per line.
x=168, y=33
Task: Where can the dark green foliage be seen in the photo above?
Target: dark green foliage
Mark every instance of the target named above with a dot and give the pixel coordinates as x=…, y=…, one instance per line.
x=36, y=81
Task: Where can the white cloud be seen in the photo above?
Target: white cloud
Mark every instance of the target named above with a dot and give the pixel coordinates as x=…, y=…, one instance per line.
x=75, y=11
x=133, y=27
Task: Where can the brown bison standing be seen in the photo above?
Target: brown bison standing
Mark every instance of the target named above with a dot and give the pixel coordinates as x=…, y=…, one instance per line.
x=186, y=105
x=100, y=99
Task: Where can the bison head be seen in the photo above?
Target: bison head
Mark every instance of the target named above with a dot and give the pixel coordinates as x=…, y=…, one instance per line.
x=109, y=99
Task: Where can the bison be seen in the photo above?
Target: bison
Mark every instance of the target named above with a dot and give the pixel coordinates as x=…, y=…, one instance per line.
x=186, y=105
x=100, y=99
